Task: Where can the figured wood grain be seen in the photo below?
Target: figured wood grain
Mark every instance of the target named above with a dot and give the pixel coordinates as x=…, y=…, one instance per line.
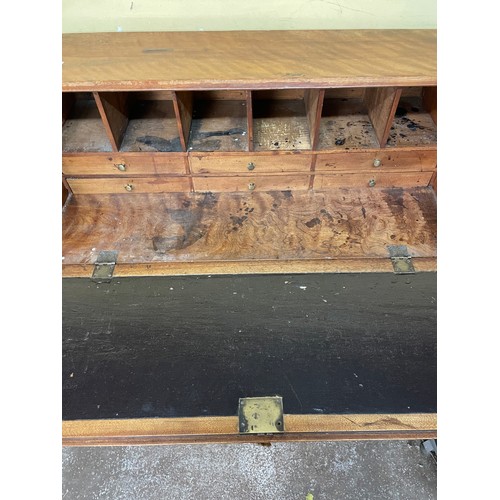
x=313, y=100
x=133, y=163
x=220, y=60
x=183, y=107
x=113, y=108
x=277, y=226
x=224, y=429
x=381, y=104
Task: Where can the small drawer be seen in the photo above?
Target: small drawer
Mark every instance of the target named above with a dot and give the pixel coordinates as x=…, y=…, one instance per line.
x=129, y=185
x=375, y=179
x=255, y=163
x=381, y=160
x=124, y=164
x=249, y=184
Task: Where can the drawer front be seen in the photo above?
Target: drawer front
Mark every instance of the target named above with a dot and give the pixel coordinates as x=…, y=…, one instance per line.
x=423, y=161
x=248, y=184
x=124, y=164
x=130, y=185
x=245, y=164
x=373, y=179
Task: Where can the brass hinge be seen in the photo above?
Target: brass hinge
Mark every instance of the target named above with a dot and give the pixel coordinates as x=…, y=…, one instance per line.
x=401, y=260
x=261, y=415
x=104, y=266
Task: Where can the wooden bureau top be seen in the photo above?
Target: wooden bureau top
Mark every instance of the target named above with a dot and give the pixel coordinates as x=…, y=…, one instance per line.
x=248, y=59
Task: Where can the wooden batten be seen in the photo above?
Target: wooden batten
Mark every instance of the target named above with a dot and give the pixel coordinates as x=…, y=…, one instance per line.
x=248, y=96
x=224, y=430
x=183, y=106
x=429, y=99
x=113, y=108
x=382, y=104
x=68, y=99
x=313, y=100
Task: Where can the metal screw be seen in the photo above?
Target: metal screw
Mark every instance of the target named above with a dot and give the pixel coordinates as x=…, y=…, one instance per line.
x=121, y=167
x=377, y=162
x=128, y=187
x=371, y=182
x=251, y=166
x=251, y=186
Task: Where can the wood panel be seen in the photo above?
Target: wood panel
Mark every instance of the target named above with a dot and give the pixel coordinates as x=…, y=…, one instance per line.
x=129, y=185
x=258, y=163
x=382, y=104
x=113, y=108
x=223, y=429
x=191, y=346
x=250, y=183
x=183, y=106
x=124, y=164
x=313, y=100
x=416, y=160
x=429, y=98
x=212, y=268
x=68, y=99
x=378, y=179
x=354, y=223
x=249, y=120
x=308, y=59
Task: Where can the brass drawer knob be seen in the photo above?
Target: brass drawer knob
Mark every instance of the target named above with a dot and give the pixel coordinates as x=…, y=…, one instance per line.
x=251, y=186
x=377, y=162
x=251, y=166
x=121, y=167
x=128, y=187
x=371, y=183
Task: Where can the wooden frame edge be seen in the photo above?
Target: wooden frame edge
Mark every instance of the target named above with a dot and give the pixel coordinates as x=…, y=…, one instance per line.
x=421, y=264
x=199, y=430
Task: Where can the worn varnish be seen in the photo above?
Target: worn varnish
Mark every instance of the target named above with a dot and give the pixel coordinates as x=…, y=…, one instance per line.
x=191, y=346
x=248, y=59
x=341, y=223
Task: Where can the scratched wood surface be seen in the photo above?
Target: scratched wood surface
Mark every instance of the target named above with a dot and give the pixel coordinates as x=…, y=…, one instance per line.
x=83, y=129
x=248, y=59
x=412, y=125
x=152, y=126
x=280, y=125
x=345, y=124
x=218, y=125
x=190, y=346
x=180, y=227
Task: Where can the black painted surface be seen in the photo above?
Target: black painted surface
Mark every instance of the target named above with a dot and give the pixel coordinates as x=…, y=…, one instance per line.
x=191, y=346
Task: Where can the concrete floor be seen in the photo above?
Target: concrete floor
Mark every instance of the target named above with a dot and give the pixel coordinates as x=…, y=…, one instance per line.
x=371, y=470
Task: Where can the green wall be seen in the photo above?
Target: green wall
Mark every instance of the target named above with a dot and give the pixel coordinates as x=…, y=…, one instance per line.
x=192, y=15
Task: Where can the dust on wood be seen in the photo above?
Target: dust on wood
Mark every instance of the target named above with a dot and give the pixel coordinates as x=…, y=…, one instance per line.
x=281, y=225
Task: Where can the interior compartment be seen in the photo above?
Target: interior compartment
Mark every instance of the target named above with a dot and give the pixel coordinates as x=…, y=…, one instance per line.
x=280, y=121
x=82, y=129
x=152, y=125
x=415, y=119
x=219, y=121
x=345, y=122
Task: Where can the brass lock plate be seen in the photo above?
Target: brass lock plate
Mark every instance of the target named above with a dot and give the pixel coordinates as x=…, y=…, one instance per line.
x=261, y=415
